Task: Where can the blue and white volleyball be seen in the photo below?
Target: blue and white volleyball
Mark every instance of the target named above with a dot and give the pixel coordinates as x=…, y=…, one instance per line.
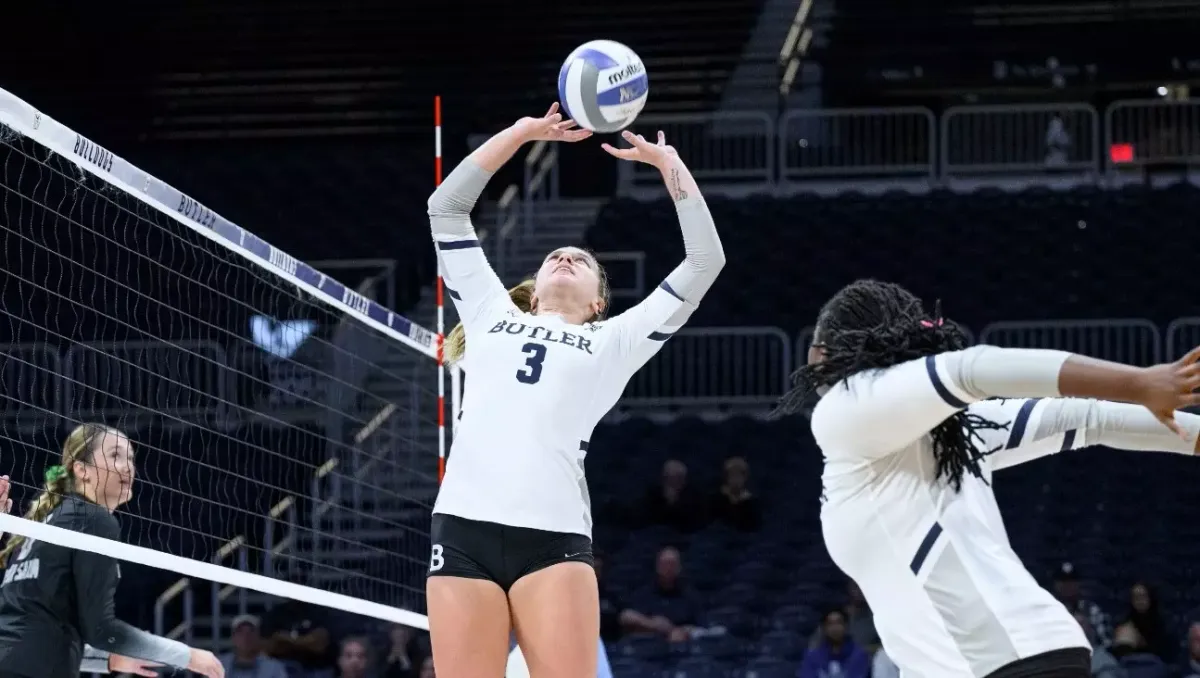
x=603, y=86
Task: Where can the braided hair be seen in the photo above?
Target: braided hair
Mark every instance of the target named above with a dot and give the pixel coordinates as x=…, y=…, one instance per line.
x=870, y=325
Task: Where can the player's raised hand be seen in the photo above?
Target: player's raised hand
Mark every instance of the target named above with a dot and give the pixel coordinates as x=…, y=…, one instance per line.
x=551, y=127
x=5, y=501
x=137, y=667
x=640, y=150
x=1171, y=386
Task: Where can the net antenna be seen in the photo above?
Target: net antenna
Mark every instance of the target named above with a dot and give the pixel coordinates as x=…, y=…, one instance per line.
x=441, y=302
x=455, y=371
x=119, y=195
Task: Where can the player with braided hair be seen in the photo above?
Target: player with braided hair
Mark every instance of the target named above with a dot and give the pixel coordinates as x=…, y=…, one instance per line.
x=54, y=599
x=912, y=424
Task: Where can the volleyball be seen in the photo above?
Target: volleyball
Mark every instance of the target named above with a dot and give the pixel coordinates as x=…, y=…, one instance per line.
x=603, y=86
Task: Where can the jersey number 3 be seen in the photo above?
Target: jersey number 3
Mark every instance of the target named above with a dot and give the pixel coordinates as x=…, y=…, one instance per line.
x=535, y=356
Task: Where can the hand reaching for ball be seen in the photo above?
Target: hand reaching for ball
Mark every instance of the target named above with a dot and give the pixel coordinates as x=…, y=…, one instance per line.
x=551, y=127
x=643, y=151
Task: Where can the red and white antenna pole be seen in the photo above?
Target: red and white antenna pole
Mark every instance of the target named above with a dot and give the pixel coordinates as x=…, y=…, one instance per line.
x=441, y=310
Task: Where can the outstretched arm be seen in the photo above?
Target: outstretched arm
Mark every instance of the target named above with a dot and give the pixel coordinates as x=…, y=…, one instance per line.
x=880, y=413
x=470, y=280
x=1040, y=427
x=645, y=326
x=96, y=579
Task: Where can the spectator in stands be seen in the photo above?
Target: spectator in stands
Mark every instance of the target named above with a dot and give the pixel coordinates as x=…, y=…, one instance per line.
x=354, y=658
x=403, y=660
x=1144, y=616
x=837, y=655
x=672, y=501
x=860, y=622
x=1191, y=658
x=1104, y=665
x=616, y=619
x=247, y=659
x=670, y=604
x=1067, y=589
x=298, y=634
x=734, y=504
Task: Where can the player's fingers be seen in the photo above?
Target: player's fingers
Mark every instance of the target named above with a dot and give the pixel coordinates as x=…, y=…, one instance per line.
x=1193, y=356
x=634, y=139
x=662, y=138
x=1168, y=420
x=622, y=153
x=1190, y=384
x=1188, y=400
x=552, y=111
x=146, y=670
x=577, y=135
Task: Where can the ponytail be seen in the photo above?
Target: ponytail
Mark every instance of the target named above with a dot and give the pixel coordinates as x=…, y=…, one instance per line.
x=455, y=346
x=58, y=483
x=60, y=480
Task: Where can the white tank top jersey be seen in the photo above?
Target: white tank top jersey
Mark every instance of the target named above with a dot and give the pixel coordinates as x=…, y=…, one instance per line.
x=536, y=385
x=950, y=597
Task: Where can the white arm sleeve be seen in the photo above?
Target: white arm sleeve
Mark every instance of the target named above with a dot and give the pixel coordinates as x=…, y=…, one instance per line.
x=1043, y=427
x=470, y=280
x=645, y=327
x=873, y=414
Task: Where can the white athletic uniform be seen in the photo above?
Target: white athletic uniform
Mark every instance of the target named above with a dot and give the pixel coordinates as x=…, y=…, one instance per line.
x=536, y=385
x=950, y=597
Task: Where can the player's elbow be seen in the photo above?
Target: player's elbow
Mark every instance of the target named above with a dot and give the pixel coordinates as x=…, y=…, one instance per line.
x=100, y=635
x=717, y=260
x=443, y=204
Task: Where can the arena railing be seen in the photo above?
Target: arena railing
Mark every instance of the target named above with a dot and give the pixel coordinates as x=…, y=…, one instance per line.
x=722, y=366
x=740, y=365
x=1183, y=334
x=1154, y=131
x=873, y=142
x=717, y=146
x=911, y=142
x=1049, y=137
x=1127, y=340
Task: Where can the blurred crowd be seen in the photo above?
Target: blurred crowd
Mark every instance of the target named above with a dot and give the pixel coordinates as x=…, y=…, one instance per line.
x=297, y=640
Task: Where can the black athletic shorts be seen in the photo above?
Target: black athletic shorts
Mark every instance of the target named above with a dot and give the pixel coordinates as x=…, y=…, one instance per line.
x=1072, y=662
x=499, y=553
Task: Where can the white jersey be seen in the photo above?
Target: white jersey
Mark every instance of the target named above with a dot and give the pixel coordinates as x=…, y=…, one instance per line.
x=950, y=597
x=536, y=387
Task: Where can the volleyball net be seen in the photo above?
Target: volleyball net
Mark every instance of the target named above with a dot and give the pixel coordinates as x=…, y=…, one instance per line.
x=287, y=426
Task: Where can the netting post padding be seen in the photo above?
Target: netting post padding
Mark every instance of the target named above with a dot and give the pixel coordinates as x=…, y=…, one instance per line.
x=194, y=568
x=102, y=163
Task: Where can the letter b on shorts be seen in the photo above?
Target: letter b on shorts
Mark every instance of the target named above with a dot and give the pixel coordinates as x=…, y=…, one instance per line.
x=436, y=561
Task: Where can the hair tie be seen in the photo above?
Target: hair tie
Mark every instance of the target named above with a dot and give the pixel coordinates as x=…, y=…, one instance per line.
x=54, y=473
x=932, y=324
